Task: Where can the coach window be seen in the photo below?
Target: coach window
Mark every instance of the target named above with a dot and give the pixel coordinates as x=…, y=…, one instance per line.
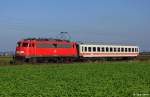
x=85, y=49
x=129, y=49
x=89, y=49
x=103, y=49
x=122, y=49
x=135, y=50
x=114, y=49
x=106, y=49
x=98, y=49
x=82, y=48
x=132, y=49
x=111, y=49
x=125, y=49
x=118, y=49
x=94, y=49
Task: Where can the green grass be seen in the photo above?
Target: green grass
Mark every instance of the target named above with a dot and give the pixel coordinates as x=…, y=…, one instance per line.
x=109, y=79
x=5, y=60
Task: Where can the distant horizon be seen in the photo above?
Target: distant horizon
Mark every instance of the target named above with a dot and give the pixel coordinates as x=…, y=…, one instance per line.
x=113, y=21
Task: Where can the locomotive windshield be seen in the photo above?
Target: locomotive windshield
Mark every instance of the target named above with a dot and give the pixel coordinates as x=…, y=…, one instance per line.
x=25, y=44
x=18, y=44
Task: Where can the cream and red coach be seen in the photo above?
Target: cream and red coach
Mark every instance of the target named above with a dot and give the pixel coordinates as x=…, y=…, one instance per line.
x=102, y=50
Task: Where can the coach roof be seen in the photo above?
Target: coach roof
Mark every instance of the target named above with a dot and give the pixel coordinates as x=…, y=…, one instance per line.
x=102, y=43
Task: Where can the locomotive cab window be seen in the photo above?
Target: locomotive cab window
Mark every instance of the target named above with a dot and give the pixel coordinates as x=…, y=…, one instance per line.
x=25, y=44
x=31, y=45
x=18, y=44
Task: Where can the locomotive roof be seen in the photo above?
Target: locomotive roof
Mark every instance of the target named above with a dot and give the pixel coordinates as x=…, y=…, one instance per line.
x=46, y=39
x=102, y=43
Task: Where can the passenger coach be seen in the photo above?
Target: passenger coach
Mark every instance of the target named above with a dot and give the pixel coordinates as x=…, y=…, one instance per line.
x=107, y=50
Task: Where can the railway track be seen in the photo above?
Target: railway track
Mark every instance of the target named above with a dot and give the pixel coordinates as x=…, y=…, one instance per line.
x=144, y=56
x=8, y=60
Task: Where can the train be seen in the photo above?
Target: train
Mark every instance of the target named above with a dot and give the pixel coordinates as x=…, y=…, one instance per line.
x=61, y=50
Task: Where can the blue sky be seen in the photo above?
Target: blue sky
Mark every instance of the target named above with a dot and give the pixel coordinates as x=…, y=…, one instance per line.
x=115, y=21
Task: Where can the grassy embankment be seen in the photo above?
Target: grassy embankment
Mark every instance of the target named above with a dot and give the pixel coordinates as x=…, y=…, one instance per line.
x=108, y=79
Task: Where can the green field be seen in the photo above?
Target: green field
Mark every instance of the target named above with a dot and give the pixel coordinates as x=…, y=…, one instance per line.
x=107, y=79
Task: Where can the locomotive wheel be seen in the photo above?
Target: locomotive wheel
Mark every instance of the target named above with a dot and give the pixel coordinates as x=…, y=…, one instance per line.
x=33, y=60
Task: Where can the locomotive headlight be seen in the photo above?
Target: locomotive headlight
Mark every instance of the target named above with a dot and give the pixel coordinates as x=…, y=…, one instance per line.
x=19, y=52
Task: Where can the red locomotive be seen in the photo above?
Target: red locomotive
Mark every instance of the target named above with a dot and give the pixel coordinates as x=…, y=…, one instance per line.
x=60, y=50
x=45, y=50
